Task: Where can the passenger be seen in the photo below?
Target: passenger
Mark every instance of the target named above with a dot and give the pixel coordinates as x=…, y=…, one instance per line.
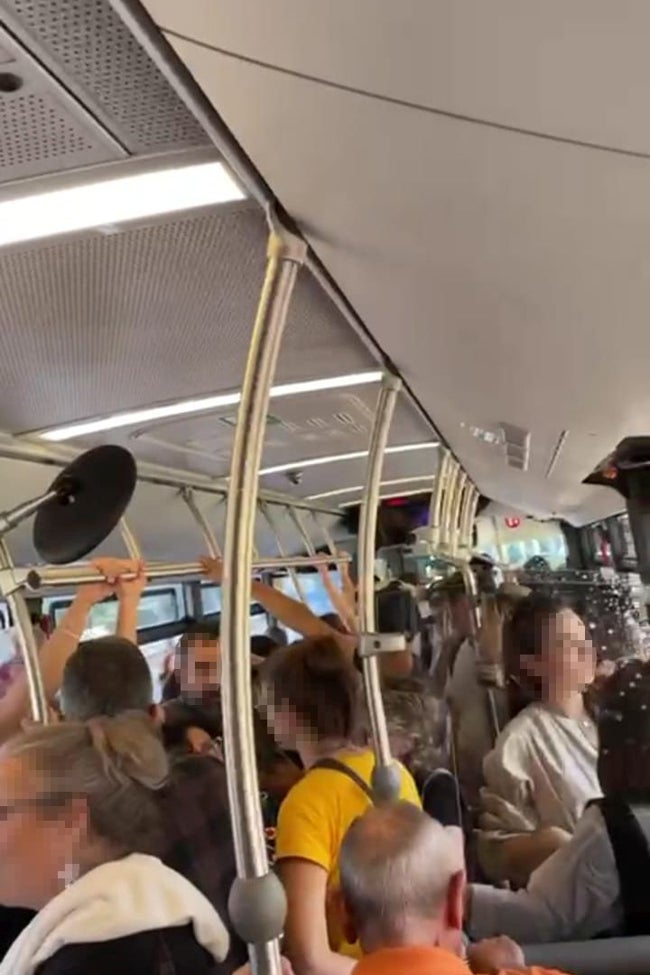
x=14, y=705
x=79, y=844
x=597, y=883
x=542, y=771
x=345, y=608
x=198, y=659
x=402, y=887
x=110, y=676
x=312, y=696
x=298, y=617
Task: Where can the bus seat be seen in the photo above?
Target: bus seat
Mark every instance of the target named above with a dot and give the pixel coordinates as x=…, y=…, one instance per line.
x=606, y=956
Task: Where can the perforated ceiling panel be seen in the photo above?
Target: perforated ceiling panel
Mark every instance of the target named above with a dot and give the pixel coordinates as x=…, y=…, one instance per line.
x=96, y=324
x=42, y=129
x=87, y=47
x=298, y=428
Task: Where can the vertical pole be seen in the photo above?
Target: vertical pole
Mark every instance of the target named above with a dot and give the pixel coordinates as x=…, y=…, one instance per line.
x=454, y=518
x=129, y=539
x=435, y=510
x=28, y=649
x=269, y=517
x=327, y=535
x=209, y=536
x=257, y=902
x=385, y=781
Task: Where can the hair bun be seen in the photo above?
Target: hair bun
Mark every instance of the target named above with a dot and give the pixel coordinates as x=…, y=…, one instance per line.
x=130, y=749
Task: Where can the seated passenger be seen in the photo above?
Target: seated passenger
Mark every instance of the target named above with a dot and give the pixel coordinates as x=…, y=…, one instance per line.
x=80, y=840
x=542, y=771
x=312, y=695
x=598, y=882
x=402, y=887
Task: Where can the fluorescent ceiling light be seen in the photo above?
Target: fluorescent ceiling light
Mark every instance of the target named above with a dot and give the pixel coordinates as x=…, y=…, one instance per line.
x=299, y=465
x=361, y=487
x=201, y=405
x=114, y=201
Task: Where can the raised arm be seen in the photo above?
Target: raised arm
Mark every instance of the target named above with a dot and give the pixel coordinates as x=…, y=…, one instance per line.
x=54, y=654
x=298, y=617
x=339, y=601
x=129, y=595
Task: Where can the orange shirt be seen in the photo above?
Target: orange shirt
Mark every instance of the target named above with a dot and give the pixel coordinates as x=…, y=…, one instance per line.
x=422, y=961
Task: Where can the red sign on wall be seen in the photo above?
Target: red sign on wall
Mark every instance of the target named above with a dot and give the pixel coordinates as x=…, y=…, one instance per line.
x=512, y=522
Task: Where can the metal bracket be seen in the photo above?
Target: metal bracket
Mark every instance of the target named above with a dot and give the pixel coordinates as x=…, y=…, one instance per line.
x=11, y=580
x=372, y=644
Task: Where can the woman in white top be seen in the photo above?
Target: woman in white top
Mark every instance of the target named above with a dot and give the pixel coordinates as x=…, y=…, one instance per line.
x=596, y=883
x=542, y=770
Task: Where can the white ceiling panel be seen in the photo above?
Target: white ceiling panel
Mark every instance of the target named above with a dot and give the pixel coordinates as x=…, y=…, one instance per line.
x=508, y=277
x=574, y=70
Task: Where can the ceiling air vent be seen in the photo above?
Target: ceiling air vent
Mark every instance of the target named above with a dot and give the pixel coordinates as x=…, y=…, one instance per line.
x=516, y=442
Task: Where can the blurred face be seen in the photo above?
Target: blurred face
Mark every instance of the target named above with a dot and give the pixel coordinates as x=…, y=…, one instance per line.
x=568, y=661
x=200, y=672
x=283, y=724
x=37, y=839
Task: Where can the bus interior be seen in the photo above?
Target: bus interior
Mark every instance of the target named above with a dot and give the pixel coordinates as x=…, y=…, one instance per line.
x=467, y=182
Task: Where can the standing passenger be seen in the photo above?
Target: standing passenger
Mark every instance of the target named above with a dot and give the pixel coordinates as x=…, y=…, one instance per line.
x=312, y=692
x=80, y=840
x=403, y=885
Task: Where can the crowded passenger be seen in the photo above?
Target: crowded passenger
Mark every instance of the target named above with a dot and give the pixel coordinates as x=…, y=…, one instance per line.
x=542, y=771
x=597, y=883
x=80, y=842
x=297, y=616
x=110, y=676
x=402, y=894
x=14, y=705
x=312, y=695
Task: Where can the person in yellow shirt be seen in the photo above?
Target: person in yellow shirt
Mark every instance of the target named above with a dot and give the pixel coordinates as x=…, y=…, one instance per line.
x=313, y=702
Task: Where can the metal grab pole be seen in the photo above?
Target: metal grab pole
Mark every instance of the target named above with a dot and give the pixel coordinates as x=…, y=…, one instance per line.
x=257, y=901
x=435, y=510
x=28, y=649
x=61, y=578
x=129, y=539
x=269, y=517
x=386, y=778
x=209, y=537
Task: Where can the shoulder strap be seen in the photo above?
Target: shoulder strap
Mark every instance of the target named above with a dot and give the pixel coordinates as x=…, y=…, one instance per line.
x=334, y=765
x=628, y=828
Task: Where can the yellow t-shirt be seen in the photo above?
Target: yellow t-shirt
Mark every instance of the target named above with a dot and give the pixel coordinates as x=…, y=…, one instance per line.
x=317, y=812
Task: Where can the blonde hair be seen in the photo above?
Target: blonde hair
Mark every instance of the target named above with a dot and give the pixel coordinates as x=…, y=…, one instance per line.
x=115, y=764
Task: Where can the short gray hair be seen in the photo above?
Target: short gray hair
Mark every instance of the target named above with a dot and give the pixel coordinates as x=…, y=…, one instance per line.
x=396, y=864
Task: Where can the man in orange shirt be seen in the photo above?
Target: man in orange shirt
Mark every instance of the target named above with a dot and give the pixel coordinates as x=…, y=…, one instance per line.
x=403, y=893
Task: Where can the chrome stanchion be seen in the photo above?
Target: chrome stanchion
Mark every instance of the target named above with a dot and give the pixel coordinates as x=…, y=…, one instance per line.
x=209, y=537
x=257, y=901
x=386, y=777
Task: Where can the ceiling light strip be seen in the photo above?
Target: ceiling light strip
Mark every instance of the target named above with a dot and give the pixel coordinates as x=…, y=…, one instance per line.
x=202, y=405
x=360, y=487
x=299, y=465
x=114, y=201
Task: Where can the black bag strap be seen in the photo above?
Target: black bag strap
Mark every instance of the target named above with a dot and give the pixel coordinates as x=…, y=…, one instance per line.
x=334, y=765
x=631, y=846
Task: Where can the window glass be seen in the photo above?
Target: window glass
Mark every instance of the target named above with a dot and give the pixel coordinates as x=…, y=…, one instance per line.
x=211, y=599
x=157, y=607
x=316, y=596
